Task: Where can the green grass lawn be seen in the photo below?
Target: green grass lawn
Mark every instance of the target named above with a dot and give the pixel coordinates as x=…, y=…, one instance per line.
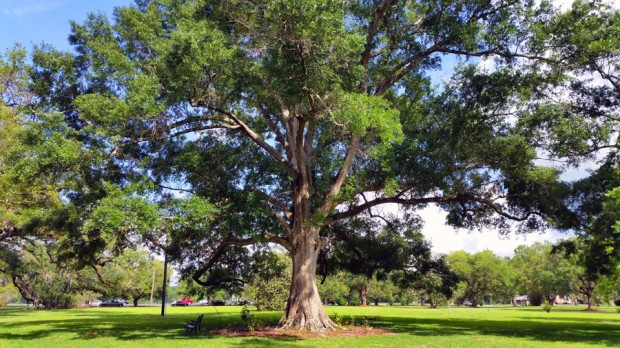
x=412, y=326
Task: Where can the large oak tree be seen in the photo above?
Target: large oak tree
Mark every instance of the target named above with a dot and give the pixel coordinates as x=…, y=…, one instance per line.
x=292, y=115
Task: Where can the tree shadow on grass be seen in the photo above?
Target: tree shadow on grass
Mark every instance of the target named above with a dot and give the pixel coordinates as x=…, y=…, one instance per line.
x=131, y=327
x=612, y=317
x=537, y=329
x=128, y=326
x=121, y=326
x=266, y=342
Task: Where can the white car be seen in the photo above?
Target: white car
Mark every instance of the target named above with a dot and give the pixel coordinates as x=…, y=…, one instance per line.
x=95, y=303
x=203, y=302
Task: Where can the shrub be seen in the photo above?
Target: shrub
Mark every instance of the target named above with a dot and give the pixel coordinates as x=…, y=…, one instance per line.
x=6, y=295
x=337, y=319
x=271, y=295
x=364, y=322
x=245, y=313
x=341, y=301
x=251, y=321
x=547, y=307
x=617, y=301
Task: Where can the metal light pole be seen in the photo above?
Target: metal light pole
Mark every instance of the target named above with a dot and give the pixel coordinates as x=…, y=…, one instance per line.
x=163, y=291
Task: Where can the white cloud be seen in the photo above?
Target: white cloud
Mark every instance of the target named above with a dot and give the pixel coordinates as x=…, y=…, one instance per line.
x=446, y=239
x=20, y=8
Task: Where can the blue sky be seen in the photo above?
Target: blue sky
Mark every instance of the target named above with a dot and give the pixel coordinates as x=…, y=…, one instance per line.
x=32, y=22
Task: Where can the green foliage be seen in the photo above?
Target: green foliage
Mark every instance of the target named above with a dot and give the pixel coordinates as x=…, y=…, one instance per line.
x=483, y=273
x=38, y=151
x=611, y=206
x=120, y=214
x=547, y=307
x=271, y=295
x=272, y=282
x=40, y=278
x=245, y=313
x=130, y=275
x=250, y=319
x=337, y=319
x=543, y=273
x=334, y=288
x=8, y=292
x=358, y=113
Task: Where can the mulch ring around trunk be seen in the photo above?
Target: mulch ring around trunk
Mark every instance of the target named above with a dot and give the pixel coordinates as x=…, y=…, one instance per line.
x=274, y=332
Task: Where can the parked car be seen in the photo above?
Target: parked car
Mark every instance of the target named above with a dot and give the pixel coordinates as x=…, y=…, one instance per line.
x=95, y=303
x=203, y=302
x=117, y=302
x=179, y=303
x=187, y=300
x=467, y=303
x=218, y=303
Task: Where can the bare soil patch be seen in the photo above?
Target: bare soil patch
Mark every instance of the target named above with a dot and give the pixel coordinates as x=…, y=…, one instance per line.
x=274, y=332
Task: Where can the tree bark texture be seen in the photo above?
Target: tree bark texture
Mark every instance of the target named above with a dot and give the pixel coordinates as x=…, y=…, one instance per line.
x=304, y=310
x=364, y=295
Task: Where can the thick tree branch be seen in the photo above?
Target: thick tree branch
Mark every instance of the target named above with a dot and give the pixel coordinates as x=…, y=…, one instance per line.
x=258, y=140
x=281, y=206
x=330, y=201
x=355, y=210
x=373, y=28
x=273, y=126
x=221, y=249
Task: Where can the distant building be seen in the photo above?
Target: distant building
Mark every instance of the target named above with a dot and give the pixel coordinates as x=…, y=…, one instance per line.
x=521, y=301
x=563, y=300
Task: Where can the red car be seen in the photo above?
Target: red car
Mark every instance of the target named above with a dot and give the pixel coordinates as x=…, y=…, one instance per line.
x=182, y=302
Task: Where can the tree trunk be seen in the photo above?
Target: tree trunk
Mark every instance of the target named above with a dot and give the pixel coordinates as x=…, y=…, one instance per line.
x=304, y=310
x=376, y=301
x=590, y=302
x=364, y=295
x=135, y=301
